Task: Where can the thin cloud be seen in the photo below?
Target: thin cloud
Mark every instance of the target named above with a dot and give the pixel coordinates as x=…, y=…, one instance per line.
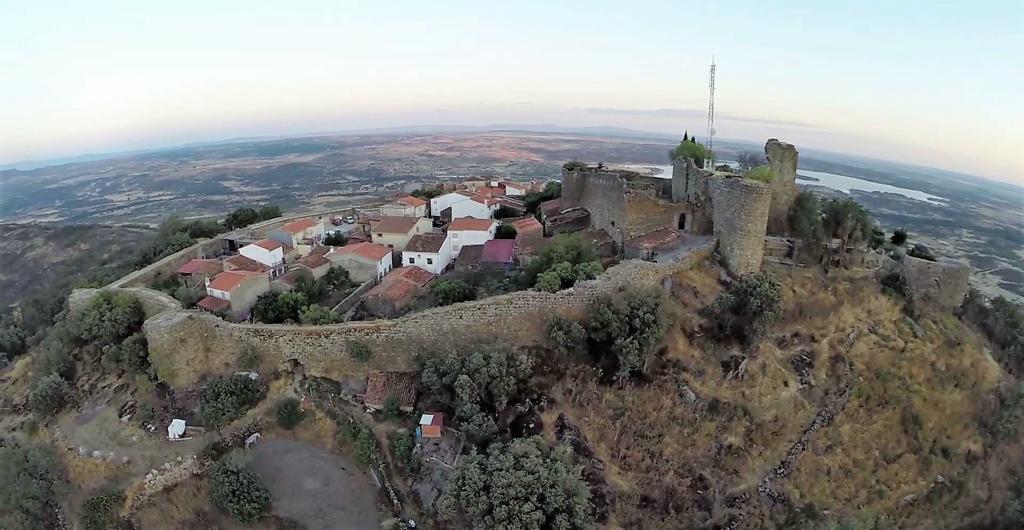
x=695, y=113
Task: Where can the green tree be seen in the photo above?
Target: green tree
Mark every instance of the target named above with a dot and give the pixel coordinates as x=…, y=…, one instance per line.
x=274, y=308
x=522, y=485
x=336, y=278
x=848, y=221
x=568, y=338
x=505, y=231
x=314, y=290
x=189, y=296
x=238, y=491
x=572, y=249
x=316, y=315
x=746, y=308
x=427, y=193
x=504, y=212
x=226, y=399
x=335, y=239
x=899, y=237
x=450, y=292
x=477, y=386
x=241, y=218
x=269, y=212
x=805, y=218
x=289, y=413
x=403, y=446
x=48, y=395
x=628, y=325
x=103, y=512
x=574, y=165
x=28, y=486
x=532, y=200
x=109, y=319
x=691, y=150
x=13, y=340
x=550, y=282
x=1002, y=321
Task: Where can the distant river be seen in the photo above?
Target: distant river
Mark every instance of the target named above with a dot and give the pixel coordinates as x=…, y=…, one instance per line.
x=828, y=180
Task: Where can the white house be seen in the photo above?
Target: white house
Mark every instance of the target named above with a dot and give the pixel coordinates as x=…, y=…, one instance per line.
x=234, y=292
x=303, y=234
x=475, y=206
x=513, y=189
x=443, y=202
x=431, y=252
x=266, y=252
x=407, y=206
x=470, y=231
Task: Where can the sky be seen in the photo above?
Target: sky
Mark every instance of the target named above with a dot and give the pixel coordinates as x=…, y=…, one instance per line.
x=933, y=83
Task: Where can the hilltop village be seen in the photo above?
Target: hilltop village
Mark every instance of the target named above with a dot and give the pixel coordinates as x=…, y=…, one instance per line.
x=706, y=349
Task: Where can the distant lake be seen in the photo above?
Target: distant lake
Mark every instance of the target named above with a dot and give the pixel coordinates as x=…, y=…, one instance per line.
x=829, y=180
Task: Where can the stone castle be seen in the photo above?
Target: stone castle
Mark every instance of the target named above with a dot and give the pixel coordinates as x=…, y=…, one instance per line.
x=737, y=211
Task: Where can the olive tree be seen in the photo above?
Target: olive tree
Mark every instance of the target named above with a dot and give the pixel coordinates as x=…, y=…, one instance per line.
x=238, y=491
x=628, y=325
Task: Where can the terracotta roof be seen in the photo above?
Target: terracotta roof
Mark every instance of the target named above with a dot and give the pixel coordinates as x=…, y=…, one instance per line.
x=228, y=280
x=409, y=200
x=202, y=266
x=530, y=244
x=371, y=251
x=469, y=255
x=490, y=192
x=212, y=304
x=552, y=206
x=394, y=225
x=414, y=274
x=288, y=278
x=426, y=243
x=400, y=386
x=269, y=244
x=528, y=225
x=300, y=225
x=240, y=262
x=471, y=223
x=514, y=185
x=432, y=418
x=498, y=251
x=317, y=258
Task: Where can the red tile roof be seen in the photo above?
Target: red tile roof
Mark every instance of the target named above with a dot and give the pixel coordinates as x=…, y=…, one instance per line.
x=370, y=251
x=394, y=225
x=552, y=206
x=207, y=267
x=469, y=255
x=381, y=386
x=528, y=225
x=409, y=200
x=498, y=251
x=228, y=280
x=212, y=304
x=300, y=225
x=289, y=278
x=269, y=244
x=240, y=262
x=471, y=223
x=414, y=274
x=315, y=260
x=426, y=243
x=401, y=283
x=530, y=244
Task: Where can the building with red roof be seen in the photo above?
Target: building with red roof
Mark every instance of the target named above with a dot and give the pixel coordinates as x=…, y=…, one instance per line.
x=396, y=291
x=470, y=231
x=528, y=225
x=363, y=261
x=395, y=232
x=396, y=387
x=432, y=252
x=499, y=252
x=300, y=234
x=196, y=271
x=234, y=292
x=266, y=252
x=406, y=206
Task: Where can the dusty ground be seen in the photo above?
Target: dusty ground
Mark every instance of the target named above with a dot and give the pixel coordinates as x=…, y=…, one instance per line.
x=316, y=488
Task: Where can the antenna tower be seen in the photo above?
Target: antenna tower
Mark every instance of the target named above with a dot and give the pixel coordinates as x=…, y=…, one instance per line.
x=709, y=160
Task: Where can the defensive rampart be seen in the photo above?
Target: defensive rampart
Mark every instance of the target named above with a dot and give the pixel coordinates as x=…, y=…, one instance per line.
x=184, y=344
x=782, y=159
x=740, y=211
x=940, y=283
x=168, y=266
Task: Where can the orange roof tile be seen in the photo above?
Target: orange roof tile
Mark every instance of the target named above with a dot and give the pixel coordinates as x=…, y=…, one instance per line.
x=394, y=225
x=269, y=244
x=228, y=280
x=240, y=262
x=414, y=274
x=295, y=227
x=201, y=266
x=212, y=304
x=409, y=200
x=381, y=386
x=527, y=225
x=470, y=223
x=370, y=251
x=426, y=243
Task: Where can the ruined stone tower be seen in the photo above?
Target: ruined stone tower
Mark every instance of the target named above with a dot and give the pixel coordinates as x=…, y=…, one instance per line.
x=740, y=214
x=782, y=159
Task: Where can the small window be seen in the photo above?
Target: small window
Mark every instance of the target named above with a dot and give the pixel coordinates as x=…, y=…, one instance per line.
x=430, y=261
x=381, y=235
x=391, y=246
x=413, y=260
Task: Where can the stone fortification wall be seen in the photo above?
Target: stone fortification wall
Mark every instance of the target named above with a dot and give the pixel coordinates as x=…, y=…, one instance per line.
x=782, y=159
x=185, y=344
x=153, y=302
x=940, y=283
x=602, y=193
x=144, y=277
x=740, y=209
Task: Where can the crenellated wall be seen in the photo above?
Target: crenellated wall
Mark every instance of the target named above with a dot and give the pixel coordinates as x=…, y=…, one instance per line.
x=740, y=209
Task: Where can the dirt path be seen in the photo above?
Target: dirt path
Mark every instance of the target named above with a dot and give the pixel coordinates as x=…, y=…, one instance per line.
x=316, y=488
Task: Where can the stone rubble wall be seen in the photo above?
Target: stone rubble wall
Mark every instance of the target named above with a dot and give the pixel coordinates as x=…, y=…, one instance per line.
x=940, y=283
x=187, y=344
x=740, y=211
x=153, y=302
x=169, y=265
x=782, y=159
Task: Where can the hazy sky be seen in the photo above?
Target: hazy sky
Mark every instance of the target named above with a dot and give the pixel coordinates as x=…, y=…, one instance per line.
x=922, y=82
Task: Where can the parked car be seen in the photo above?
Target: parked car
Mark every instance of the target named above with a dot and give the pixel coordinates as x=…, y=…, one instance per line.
x=350, y=219
x=336, y=221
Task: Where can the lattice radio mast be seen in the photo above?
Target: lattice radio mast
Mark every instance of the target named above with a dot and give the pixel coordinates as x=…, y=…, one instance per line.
x=709, y=160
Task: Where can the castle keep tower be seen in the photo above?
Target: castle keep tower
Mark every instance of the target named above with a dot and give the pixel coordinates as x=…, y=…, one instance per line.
x=740, y=209
x=782, y=159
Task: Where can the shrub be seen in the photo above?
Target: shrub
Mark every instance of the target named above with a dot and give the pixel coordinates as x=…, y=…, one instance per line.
x=12, y=340
x=587, y=270
x=848, y=221
x=359, y=350
x=364, y=445
x=103, y=512
x=746, y=308
x=109, y=319
x=316, y=315
x=238, y=491
x=690, y=149
x=761, y=174
x=403, y=445
x=628, y=325
x=132, y=354
x=523, y=484
x=289, y=413
x=552, y=190
x=189, y=296
x=27, y=487
x=895, y=284
x=48, y=395
x=248, y=357
x=335, y=239
x=1002, y=321
x=452, y=291
x=568, y=338
x=477, y=386
x=804, y=217
x=391, y=408
x=274, y=308
x=549, y=282
x=505, y=231
x=899, y=237
x=921, y=252
x=54, y=359
x=226, y=399
x=567, y=259
x=504, y=212
x=336, y=278
x=574, y=165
